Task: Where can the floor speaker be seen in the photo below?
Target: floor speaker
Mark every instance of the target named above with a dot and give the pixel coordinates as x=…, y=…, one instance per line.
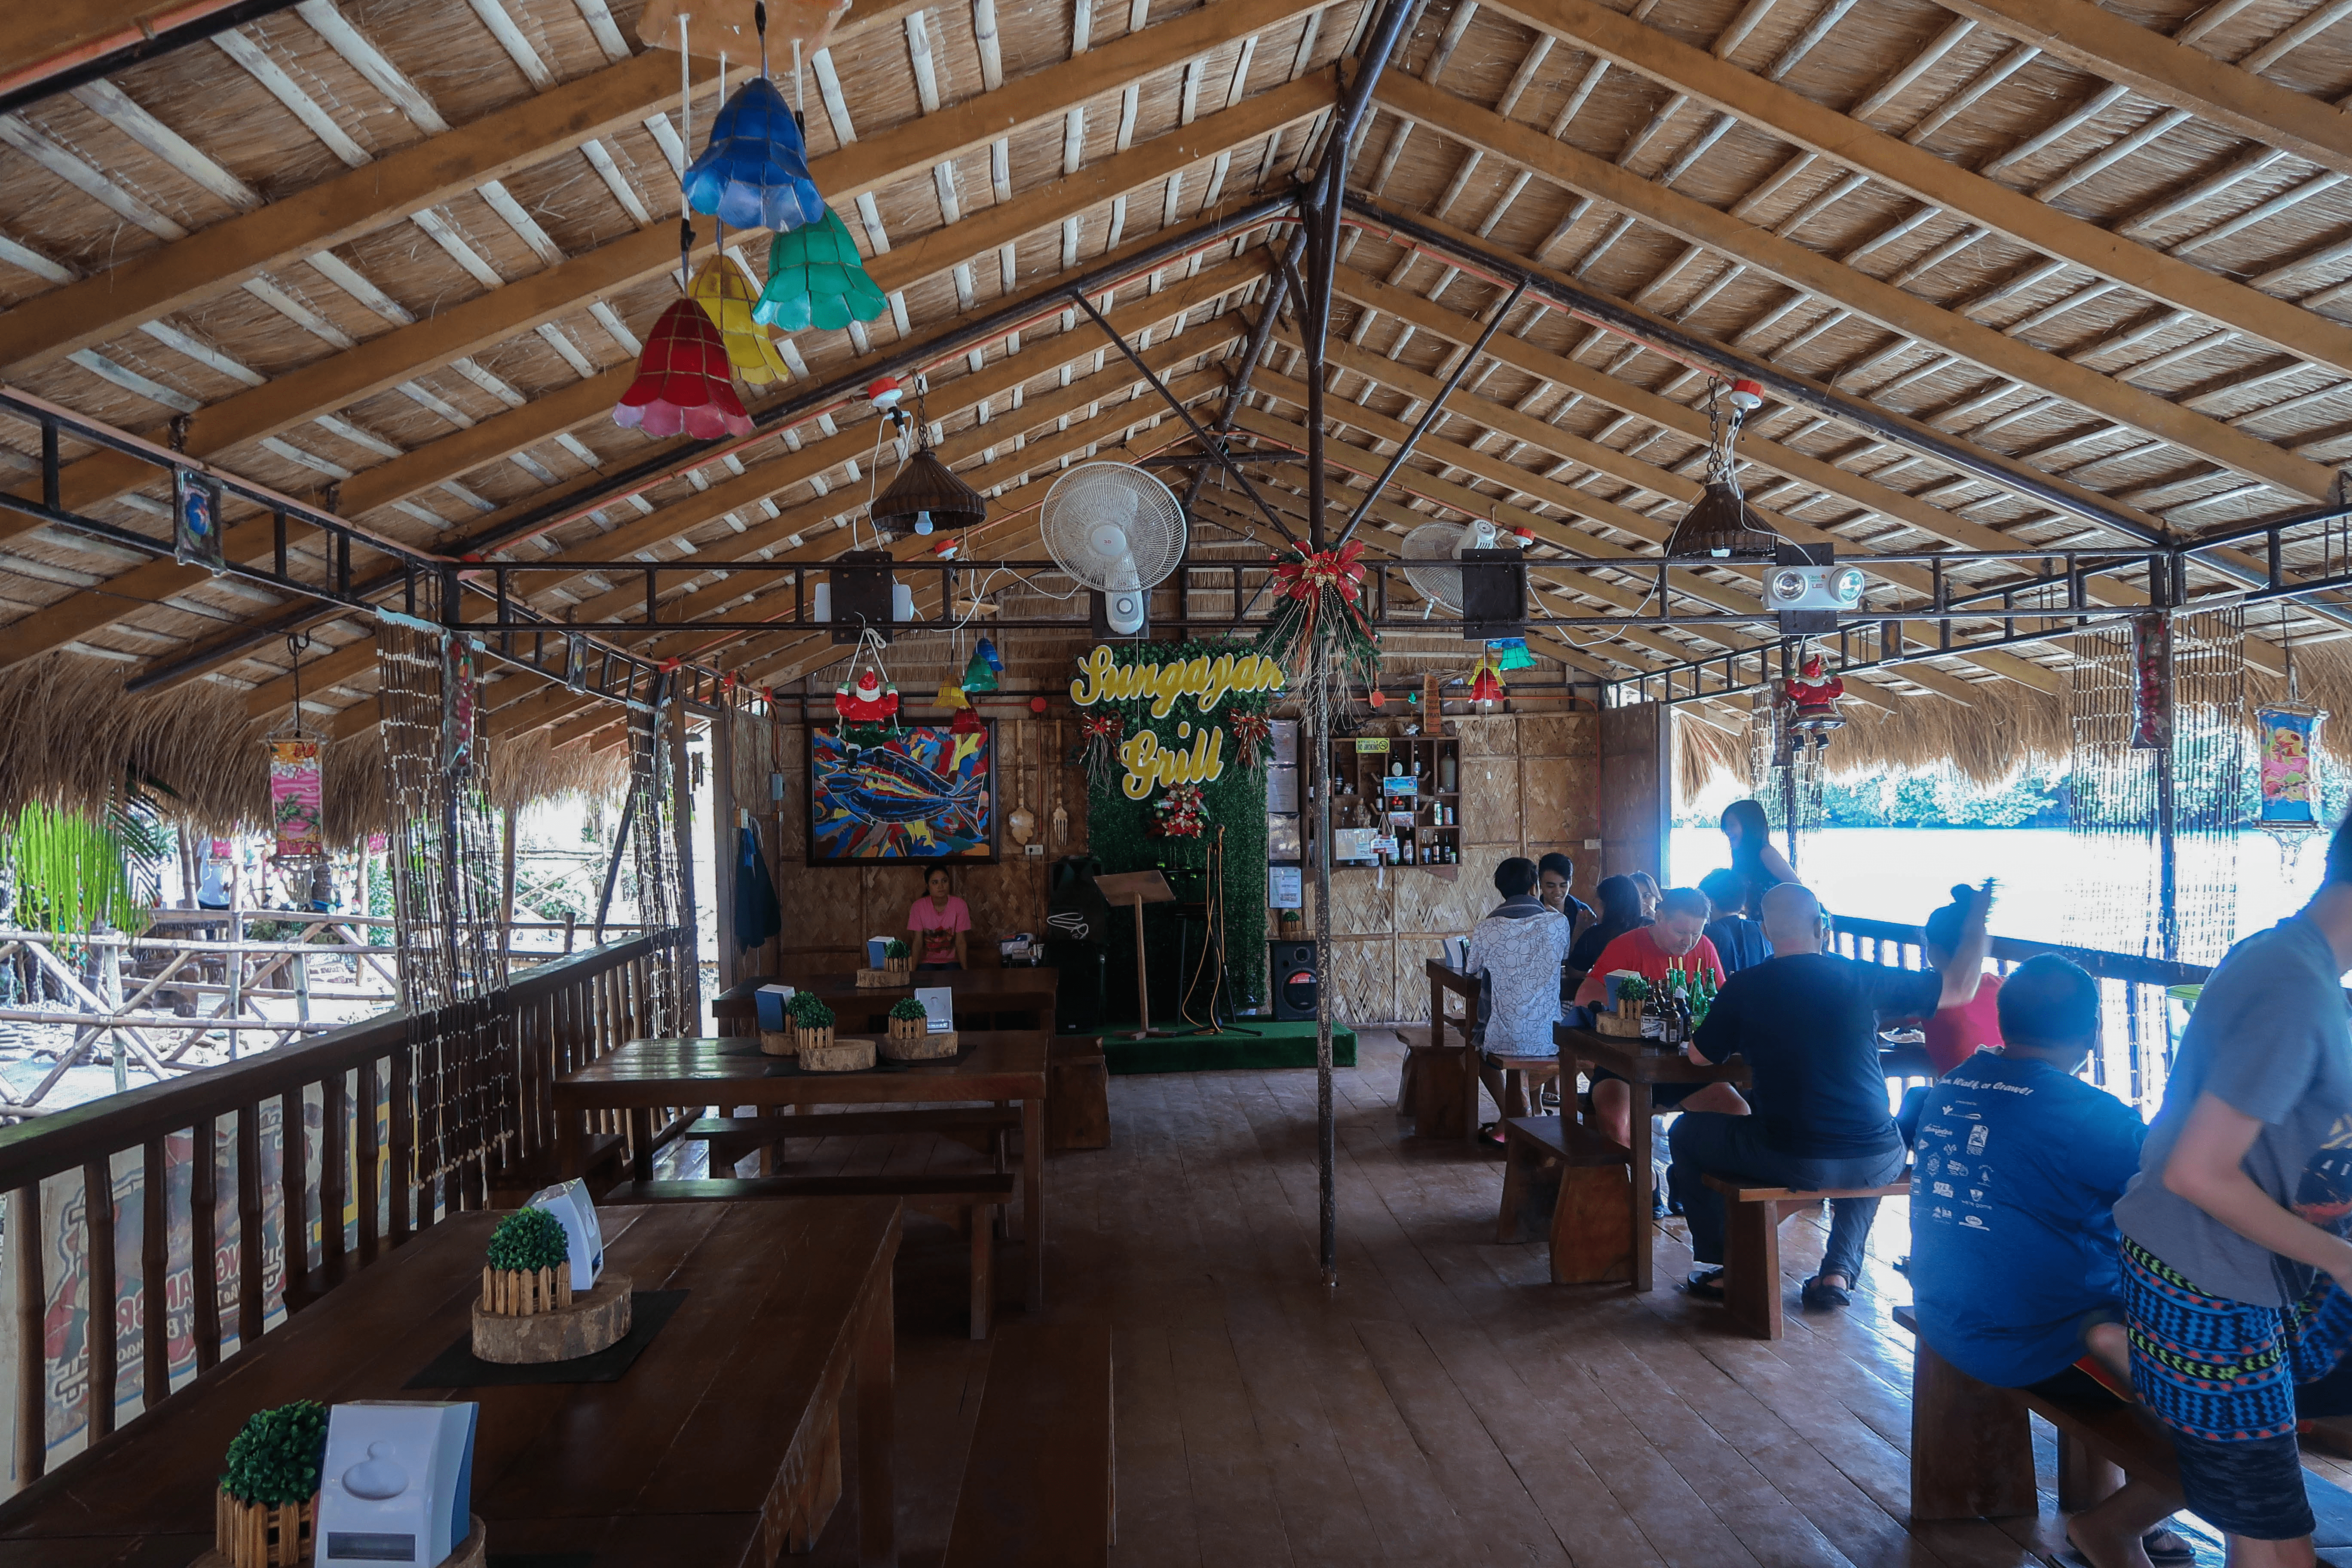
x=1295, y=979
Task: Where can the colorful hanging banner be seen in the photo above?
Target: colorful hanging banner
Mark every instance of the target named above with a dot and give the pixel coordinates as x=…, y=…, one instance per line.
x=2284, y=740
x=196, y=520
x=296, y=799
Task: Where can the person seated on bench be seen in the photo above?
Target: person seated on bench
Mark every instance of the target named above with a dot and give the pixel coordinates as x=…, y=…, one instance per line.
x=1519, y=946
x=1807, y=1023
x=1676, y=940
x=1738, y=941
x=1554, y=873
x=1950, y=1034
x=2237, y=1272
x=2013, y=1248
x=1621, y=911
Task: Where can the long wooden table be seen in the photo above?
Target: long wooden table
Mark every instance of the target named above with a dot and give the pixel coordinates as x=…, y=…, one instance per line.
x=977, y=991
x=707, y=1451
x=645, y=1075
x=1643, y=1065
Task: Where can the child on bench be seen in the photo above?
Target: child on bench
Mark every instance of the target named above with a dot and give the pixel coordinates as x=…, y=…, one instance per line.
x=2018, y=1163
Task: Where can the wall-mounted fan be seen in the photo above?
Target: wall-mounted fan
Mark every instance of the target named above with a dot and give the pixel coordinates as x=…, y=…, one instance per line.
x=1117, y=531
x=1434, y=542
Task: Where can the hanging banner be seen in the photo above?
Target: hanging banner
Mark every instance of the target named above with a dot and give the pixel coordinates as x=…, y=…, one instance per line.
x=2285, y=741
x=196, y=520
x=461, y=682
x=296, y=799
x=2152, y=675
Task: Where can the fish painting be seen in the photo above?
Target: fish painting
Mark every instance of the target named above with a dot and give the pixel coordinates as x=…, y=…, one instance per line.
x=926, y=794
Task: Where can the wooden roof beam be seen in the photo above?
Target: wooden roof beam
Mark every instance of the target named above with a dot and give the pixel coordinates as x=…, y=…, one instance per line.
x=1813, y=273
x=2114, y=49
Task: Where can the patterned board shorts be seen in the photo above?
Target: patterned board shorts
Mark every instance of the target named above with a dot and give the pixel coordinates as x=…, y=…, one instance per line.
x=2222, y=1370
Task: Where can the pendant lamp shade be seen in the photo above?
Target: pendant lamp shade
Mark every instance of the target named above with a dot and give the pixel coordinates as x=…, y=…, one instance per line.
x=754, y=174
x=951, y=695
x=816, y=278
x=682, y=386
x=1487, y=686
x=977, y=675
x=923, y=488
x=1511, y=653
x=986, y=648
x=1720, y=524
x=726, y=294
x=966, y=723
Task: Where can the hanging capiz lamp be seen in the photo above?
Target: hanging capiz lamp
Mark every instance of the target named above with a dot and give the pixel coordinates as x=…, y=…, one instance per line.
x=683, y=385
x=986, y=648
x=1486, y=685
x=951, y=695
x=979, y=675
x=967, y=721
x=1511, y=653
x=816, y=278
x=726, y=294
x=755, y=174
x=925, y=495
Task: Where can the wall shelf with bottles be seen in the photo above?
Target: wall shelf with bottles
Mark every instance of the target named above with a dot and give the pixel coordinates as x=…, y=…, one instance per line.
x=1410, y=791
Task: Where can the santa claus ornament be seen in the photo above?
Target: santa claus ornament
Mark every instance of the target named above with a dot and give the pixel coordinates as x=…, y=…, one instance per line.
x=865, y=699
x=1813, y=693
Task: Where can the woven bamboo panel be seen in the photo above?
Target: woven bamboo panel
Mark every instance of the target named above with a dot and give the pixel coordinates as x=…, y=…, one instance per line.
x=1495, y=736
x=1361, y=906
x=1545, y=800
x=1558, y=735
x=1426, y=905
x=1363, y=979
x=1490, y=803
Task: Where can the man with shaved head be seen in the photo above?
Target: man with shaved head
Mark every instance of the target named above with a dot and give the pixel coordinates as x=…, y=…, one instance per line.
x=1806, y=1022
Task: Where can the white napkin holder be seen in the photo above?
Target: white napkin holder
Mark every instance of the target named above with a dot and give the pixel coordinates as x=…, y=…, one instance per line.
x=568, y=1202
x=397, y=1485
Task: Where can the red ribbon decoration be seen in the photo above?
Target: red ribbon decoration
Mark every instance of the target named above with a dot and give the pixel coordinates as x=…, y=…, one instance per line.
x=1303, y=576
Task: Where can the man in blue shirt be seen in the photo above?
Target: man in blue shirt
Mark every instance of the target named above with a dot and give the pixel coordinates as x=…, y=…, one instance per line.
x=2014, y=1252
x=1738, y=941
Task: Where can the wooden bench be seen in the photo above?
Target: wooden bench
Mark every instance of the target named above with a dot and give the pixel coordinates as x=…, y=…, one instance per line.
x=1751, y=1245
x=980, y=1126
x=1077, y=1095
x=1438, y=1086
x=1567, y=1183
x=1972, y=1454
x=970, y=1202
x=1039, y=1488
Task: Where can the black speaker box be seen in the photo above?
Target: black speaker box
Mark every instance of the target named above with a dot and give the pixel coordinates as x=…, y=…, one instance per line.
x=1292, y=965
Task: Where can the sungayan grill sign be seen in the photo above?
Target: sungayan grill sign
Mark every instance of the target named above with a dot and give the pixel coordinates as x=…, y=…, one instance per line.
x=1207, y=681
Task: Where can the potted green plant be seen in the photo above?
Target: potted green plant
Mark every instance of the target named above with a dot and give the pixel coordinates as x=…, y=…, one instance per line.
x=268, y=1502
x=1633, y=992
x=812, y=1022
x=909, y=1022
x=527, y=1267
x=898, y=958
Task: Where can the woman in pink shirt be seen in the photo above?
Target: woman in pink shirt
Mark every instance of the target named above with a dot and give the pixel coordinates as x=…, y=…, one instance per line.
x=937, y=924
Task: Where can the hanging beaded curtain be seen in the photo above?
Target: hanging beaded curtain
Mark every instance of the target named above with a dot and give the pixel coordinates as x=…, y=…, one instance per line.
x=671, y=1003
x=445, y=839
x=2121, y=722
x=1776, y=756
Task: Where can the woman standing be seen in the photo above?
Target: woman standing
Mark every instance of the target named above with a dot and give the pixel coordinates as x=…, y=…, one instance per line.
x=1760, y=865
x=937, y=924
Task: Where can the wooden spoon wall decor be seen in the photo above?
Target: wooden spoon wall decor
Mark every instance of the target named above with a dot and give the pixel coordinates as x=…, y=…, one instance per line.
x=1022, y=822
x=1061, y=812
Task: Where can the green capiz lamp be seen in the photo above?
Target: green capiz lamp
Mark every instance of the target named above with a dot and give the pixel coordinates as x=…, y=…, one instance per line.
x=816, y=278
x=977, y=675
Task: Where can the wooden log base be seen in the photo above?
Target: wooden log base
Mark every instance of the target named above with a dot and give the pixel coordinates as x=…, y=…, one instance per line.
x=779, y=1043
x=595, y=1320
x=474, y=1552
x=886, y=979
x=845, y=1053
x=918, y=1046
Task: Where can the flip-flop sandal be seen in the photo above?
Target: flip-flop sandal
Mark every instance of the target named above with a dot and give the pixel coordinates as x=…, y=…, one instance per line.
x=2175, y=1556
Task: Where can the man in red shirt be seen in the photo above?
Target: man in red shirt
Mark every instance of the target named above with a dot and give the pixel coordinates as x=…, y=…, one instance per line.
x=1676, y=940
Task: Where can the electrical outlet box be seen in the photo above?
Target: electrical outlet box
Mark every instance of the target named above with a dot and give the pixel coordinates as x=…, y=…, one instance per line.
x=1035, y=851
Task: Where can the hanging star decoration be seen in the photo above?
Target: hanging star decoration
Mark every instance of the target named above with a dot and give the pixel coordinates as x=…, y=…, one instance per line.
x=683, y=385
x=1179, y=813
x=726, y=294
x=816, y=278
x=754, y=174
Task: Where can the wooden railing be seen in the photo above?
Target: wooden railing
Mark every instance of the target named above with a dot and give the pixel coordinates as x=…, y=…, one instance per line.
x=396, y=1121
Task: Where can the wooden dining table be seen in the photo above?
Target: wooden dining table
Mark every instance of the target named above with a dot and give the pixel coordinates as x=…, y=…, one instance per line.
x=1643, y=1065
x=644, y=1076
x=979, y=994
x=720, y=1445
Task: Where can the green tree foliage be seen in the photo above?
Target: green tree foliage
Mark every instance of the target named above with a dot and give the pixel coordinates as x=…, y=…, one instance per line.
x=277, y=1457
x=907, y=1007
x=528, y=1239
x=808, y=1010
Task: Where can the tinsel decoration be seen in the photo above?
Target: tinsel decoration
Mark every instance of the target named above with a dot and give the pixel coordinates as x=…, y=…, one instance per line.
x=1104, y=731
x=1253, y=735
x=754, y=174
x=1318, y=634
x=684, y=385
x=1178, y=812
x=1511, y=653
x=726, y=294
x=816, y=278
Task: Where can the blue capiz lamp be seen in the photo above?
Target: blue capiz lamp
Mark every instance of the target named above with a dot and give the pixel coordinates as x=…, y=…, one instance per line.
x=755, y=174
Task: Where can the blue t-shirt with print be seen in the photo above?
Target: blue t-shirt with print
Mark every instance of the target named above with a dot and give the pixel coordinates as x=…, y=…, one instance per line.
x=2016, y=1171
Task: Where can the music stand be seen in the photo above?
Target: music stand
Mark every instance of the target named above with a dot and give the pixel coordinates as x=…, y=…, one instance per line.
x=1140, y=888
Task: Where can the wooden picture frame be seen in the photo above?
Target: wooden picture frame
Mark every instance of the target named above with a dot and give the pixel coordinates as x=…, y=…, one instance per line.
x=870, y=808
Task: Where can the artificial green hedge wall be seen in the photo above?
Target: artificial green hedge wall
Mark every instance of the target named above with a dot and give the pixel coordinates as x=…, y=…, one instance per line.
x=1120, y=830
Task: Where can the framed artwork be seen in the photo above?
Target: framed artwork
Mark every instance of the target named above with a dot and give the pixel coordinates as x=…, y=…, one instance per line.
x=2284, y=740
x=924, y=794
x=195, y=519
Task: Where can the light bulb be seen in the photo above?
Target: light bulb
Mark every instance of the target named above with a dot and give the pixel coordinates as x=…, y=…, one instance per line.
x=922, y=522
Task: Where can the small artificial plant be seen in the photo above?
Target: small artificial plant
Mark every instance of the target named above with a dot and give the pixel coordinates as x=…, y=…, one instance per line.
x=895, y=948
x=908, y=1009
x=1633, y=988
x=807, y=1010
x=275, y=1461
x=528, y=1240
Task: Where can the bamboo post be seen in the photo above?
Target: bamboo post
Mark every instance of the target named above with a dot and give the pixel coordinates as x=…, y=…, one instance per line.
x=236, y=964
x=110, y=975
